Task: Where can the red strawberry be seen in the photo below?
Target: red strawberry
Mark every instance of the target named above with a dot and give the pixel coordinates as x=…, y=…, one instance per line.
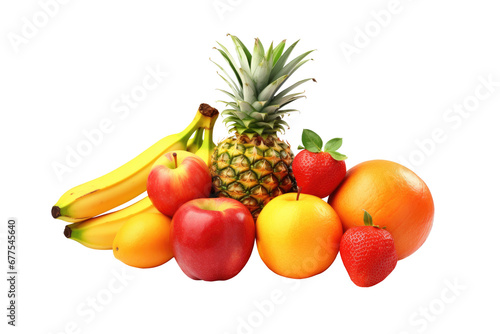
x=318, y=172
x=368, y=253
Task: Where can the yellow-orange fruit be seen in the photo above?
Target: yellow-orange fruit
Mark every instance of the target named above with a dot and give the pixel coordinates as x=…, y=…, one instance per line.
x=298, y=238
x=144, y=241
x=396, y=198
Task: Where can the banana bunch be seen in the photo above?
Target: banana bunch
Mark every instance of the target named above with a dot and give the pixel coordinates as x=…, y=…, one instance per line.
x=83, y=204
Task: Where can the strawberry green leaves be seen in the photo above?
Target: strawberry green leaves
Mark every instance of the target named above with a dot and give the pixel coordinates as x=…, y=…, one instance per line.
x=332, y=146
x=368, y=220
x=312, y=142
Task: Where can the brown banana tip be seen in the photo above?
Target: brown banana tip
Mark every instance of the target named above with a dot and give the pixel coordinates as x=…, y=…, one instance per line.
x=56, y=211
x=207, y=110
x=67, y=232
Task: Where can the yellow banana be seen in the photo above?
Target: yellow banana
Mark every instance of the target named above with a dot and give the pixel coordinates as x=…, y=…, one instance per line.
x=99, y=232
x=194, y=143
x=128, y=181
x=207, y=146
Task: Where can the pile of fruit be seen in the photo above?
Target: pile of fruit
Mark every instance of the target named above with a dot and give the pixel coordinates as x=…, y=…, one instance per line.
x=208, y=204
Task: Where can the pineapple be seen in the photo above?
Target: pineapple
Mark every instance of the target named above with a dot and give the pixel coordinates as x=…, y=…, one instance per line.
x=254, y=165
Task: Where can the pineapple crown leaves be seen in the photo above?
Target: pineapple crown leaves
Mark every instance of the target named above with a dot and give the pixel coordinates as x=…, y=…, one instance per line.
x=312, y=142
x=256, y=98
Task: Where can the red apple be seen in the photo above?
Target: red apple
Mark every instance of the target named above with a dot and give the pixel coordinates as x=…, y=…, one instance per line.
x=176, y=178
x=212, y=238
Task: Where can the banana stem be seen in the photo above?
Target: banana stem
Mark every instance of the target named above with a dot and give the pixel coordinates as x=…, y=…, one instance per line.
x=204, y=119
x=208, y=142
x=195, y=142
x=208, y=146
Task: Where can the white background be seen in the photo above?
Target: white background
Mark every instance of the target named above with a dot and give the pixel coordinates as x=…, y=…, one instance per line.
x=383, y=100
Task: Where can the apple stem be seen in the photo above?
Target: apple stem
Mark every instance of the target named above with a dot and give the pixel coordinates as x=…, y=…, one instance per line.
x=298, y=192
x=175, y=159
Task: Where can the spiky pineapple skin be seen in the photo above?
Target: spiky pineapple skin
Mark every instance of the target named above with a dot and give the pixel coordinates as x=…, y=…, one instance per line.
x=252, y=170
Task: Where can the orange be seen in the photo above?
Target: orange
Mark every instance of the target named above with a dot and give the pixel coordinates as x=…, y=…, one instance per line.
x=144, y=241
x=298, y=238
x=395, y=197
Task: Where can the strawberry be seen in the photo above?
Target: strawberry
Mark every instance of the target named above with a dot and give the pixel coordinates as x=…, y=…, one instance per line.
x=368, y=253
x=318, y=172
